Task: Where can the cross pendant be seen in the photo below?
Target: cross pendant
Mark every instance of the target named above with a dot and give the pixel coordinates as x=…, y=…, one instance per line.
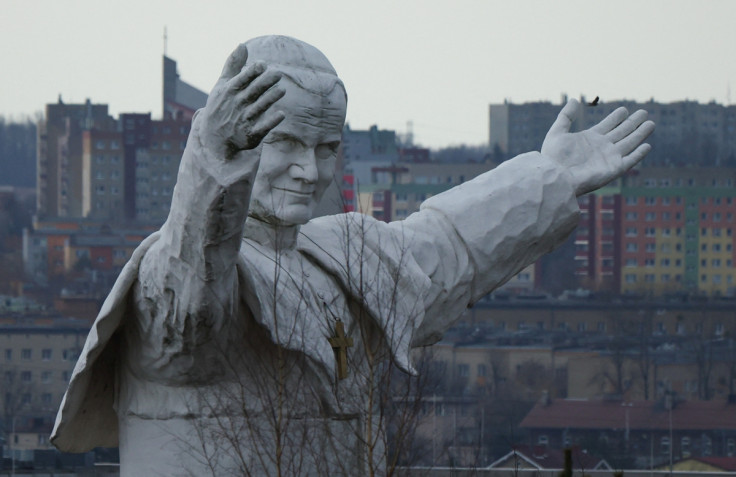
x=340, y=344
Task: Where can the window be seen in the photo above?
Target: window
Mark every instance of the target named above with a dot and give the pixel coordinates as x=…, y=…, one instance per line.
x=463, y=370
x=632, y=216
x=664, y=445
x=46, y=377
x=25, y=353
x=582, y=326
x=650, y=232
x=685, y=446
x=46, y=354
x=631, y=262
x=630, y=278
x=650, y=216
x=649, y=262
x=631, y=232
x=707, y=445
x=543, y=440
x=632, y=200
x=482, y=370
x=25, y=376
x=632, y=247
x=651, y=247
x=8, y=355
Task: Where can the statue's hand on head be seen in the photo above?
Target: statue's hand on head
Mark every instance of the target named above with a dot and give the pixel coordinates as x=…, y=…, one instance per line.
x=238, y=114
x=602, y=153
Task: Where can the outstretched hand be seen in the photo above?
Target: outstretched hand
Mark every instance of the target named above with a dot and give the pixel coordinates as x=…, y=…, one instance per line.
x=238, y=113
x=602, y=153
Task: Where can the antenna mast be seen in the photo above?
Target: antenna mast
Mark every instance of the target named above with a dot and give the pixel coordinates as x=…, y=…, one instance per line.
x=166, y=42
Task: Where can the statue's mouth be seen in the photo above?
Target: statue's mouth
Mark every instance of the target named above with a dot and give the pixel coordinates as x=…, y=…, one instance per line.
x=300, y=193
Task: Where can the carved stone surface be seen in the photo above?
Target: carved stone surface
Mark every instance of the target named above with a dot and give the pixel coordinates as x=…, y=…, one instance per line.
x=215, y=352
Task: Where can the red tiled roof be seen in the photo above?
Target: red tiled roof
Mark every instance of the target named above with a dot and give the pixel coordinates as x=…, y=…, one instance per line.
x=649, y=415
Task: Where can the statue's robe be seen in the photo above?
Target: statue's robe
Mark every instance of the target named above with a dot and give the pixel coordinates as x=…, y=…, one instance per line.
x=185, y=391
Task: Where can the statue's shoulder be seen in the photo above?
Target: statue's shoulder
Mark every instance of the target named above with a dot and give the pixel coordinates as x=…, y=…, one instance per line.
x=352, y=226
x=86, y=418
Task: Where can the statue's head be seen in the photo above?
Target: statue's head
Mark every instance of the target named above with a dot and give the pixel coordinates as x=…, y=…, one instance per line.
x=298, y=155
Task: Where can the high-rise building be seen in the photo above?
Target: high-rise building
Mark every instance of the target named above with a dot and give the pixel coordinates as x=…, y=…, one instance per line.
x=677, y=230
x=180, y=99
x=59, y=181
x=687, y=132
x=91, y=165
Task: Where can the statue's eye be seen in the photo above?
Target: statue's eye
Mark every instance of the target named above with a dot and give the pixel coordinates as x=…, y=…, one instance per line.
x=284, y=144
x=326, y=150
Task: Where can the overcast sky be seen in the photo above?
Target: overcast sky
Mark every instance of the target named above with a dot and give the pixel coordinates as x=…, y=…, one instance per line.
x=436, y=63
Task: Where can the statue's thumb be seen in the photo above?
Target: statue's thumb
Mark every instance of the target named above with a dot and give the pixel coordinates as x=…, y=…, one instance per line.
x=235, y=62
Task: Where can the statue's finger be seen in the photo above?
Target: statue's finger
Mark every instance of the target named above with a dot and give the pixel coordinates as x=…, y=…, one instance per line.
x=264, y=126
x=257, y=86
x=611, y=121
x=247, y=76
x=235, y=62
x=265, y=101
x=565, y=118
x=628, y=126
x=630, y=160
x=633, y=140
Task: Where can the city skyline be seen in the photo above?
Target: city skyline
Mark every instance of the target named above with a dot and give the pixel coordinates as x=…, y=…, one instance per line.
x=431, y=63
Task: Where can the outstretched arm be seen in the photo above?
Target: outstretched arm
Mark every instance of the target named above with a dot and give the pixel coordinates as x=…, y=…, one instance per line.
x=474, y=237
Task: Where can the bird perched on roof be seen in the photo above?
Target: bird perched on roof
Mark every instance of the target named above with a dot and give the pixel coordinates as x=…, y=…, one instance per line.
x=594, y=102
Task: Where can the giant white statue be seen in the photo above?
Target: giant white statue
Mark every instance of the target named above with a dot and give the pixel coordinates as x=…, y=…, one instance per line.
x=245, y=338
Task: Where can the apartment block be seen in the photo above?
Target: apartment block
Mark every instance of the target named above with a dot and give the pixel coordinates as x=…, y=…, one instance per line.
x=687, y=132
x=91, y=165
x=677, y=231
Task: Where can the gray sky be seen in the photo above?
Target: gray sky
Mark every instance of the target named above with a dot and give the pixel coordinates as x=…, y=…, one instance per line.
x=436, y=63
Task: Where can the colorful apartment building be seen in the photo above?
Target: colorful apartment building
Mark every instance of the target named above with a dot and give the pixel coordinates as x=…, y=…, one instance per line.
x=597, y=240
x=677, y=231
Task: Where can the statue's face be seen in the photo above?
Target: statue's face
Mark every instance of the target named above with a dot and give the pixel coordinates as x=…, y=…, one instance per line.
x=298, y=155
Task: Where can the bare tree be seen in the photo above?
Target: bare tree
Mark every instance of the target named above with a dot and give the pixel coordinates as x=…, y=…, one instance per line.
x=275, y=413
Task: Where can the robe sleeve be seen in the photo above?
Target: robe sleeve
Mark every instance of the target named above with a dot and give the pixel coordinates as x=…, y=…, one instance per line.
x=476, y=236
x=187, y=282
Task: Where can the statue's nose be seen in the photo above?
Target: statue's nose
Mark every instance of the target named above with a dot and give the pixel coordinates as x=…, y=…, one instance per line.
x=305, y=169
